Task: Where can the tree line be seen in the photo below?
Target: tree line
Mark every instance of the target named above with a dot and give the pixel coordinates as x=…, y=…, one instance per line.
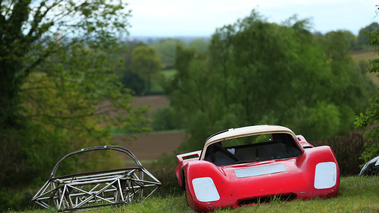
x=257, y=72
x=163, y=52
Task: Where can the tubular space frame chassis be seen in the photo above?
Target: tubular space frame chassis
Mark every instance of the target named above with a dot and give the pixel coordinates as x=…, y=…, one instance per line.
x=94, y=189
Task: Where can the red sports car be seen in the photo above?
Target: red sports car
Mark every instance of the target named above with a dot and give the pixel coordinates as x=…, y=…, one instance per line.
x=256, y=164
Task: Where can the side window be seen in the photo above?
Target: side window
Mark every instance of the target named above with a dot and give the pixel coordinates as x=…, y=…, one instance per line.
x=291, y=147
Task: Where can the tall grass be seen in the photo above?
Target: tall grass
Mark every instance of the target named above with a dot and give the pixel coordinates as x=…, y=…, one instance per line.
x=357, y=194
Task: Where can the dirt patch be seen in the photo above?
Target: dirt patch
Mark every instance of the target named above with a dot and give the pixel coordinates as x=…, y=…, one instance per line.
x=153, y=145
x=150, y=147
x=154, y=101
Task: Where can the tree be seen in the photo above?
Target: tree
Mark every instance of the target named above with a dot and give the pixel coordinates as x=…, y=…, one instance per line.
x=127, y=77
x=200, y=45
x=72, y=103
x=371, y=117
x=57, y=93
x=31, y=31
x=145, y=63
x=363, y=40
x=166, y=51
x=349, y=85
x=264, y=73
x=350, y=40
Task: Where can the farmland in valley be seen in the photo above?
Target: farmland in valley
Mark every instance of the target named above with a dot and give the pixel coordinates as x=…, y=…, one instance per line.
x=150, y=146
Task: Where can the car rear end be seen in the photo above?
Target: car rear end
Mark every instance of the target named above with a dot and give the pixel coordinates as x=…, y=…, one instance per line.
x=314, y=173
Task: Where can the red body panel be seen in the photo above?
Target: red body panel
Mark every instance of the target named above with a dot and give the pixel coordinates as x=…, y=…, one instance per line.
x=297, y=180
x=304, y=143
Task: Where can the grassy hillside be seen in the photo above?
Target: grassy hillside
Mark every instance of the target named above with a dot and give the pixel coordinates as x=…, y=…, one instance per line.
x=357, y=194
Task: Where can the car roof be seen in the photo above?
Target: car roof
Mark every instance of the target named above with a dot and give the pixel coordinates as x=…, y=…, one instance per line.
x=246, y=131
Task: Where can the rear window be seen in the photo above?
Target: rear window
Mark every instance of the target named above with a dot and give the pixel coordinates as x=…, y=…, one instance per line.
x=253, y=149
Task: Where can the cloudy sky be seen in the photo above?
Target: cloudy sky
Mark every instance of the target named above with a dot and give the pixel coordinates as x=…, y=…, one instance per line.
x=202, y=17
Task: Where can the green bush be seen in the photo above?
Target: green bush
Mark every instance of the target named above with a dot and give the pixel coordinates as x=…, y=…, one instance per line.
x=348, y=150
x=164, y=171
x=166, y=118
x=15, y=200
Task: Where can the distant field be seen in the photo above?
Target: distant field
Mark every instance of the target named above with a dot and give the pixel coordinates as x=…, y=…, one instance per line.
x=154, y=101
x=366, y=55
x=150, y=147
x=168, y=73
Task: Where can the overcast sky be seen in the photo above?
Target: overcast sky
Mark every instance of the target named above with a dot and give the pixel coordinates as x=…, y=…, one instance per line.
x=171, y=18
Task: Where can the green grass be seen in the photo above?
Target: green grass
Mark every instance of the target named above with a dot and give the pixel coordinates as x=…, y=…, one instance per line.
x=168, y=73
x=156, y=86
x=357, y=194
